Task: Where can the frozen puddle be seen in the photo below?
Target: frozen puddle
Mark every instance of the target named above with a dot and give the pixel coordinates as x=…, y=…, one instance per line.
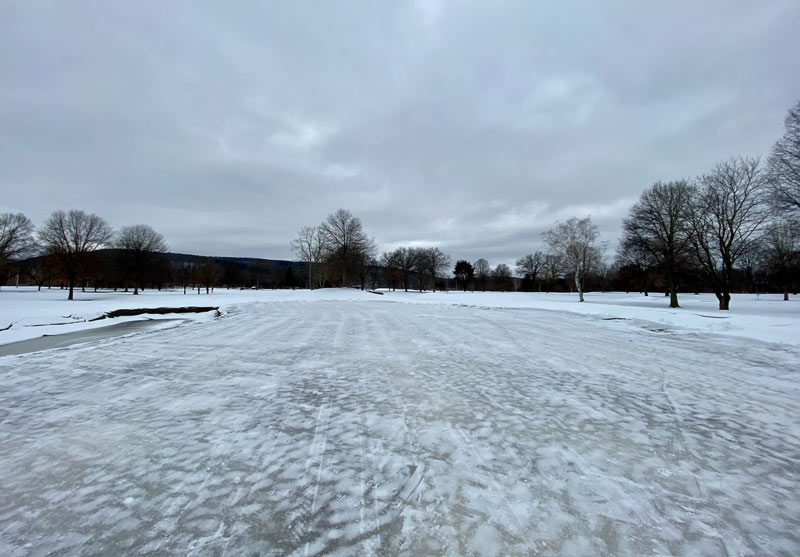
x=370, y=428
x=68, y=339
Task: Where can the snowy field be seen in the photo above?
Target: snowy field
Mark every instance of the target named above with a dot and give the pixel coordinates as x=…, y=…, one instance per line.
x=343, y=422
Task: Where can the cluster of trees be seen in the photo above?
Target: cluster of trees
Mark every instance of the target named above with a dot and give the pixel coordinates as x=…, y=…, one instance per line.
x=736, y=222
x=735, y=227
x=337, y=252
x=74, y=248
x=480, y=275
x=66, y=243
x=414, y=265
x=573, y=256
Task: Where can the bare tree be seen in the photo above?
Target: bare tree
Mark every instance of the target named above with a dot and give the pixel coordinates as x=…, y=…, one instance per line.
x=604, y=273
x=208, y=273
x=782, y=253
x=728, y=213
x=656, y=232
x=16, y=241
x=419, y=257
x=363, y=260
x=139, y=244
x=482, y=272
x=433, y=262
x=551, y=269
x=391, y=261
x=184, y=273
x=751, y=260
x=784, y=165
x=633, y=254
x=407, y=261
x=502, y=277
x=345, y=242
x=309, y=247
x=375, y=275
x=574, y=242
x=531, y=265
x=71, y=237
x=40, y=270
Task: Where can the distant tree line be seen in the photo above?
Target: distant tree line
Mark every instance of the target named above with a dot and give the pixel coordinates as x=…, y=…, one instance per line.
x=74, y=249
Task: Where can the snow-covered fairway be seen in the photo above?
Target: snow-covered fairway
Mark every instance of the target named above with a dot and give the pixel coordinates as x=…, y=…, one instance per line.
x=373, y=427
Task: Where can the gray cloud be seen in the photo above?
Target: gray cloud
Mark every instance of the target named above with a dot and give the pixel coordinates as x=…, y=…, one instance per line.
x=474, y=126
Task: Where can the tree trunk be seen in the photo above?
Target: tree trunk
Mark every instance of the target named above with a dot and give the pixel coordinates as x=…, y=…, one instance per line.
x=724, y=300
x=673, y=298
x=71, y=279
x=579, y=285
x=786, y=295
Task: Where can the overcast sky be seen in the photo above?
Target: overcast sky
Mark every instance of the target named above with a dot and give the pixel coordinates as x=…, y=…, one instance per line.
x=473, y=126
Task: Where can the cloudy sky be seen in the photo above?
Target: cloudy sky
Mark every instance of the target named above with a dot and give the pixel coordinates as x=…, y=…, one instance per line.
x=473, y=126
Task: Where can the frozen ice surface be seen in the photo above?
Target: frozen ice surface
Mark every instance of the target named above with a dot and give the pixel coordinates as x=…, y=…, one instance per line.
x=377, y=428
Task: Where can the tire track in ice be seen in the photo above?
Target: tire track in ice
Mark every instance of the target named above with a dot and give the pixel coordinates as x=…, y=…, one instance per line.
x=316, y=456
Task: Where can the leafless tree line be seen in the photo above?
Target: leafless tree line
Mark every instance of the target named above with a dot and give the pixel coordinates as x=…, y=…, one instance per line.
x=714, y=226
x=425, y=266
x=338, y=252
x=67, y=240
x=741, y=218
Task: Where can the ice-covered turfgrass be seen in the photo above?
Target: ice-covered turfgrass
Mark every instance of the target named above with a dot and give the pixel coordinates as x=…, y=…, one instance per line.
x=366, y=427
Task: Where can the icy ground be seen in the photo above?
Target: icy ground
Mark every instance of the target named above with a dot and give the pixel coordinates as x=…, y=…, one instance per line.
x=26, y=313
x=374, y=426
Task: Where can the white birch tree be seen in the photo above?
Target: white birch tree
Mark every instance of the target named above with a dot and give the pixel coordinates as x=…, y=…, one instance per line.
x=575, y=242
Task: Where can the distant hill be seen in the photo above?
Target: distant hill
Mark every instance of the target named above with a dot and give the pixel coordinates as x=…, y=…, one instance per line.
x=243, y=262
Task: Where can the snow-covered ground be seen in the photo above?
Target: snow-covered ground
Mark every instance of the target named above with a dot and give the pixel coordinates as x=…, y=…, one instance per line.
x=26, y=313
x=457, y=423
